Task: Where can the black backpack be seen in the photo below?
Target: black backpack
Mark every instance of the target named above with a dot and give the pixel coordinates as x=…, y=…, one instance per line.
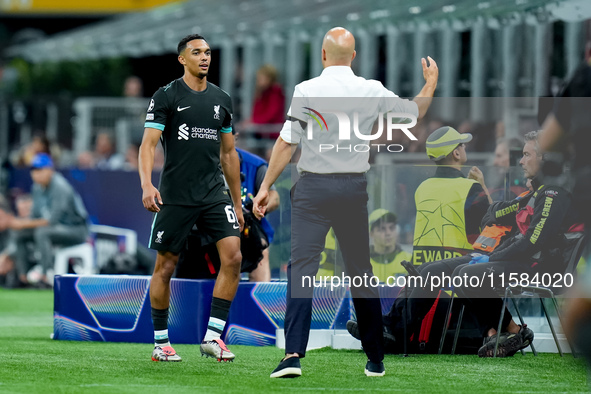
x=200, y=259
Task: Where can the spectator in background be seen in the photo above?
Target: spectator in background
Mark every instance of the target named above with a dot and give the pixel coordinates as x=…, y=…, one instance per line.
x=8, y=246
x=85, y=160
x=499, y=130
x=105, y=155
x=466, y=126
x=269, y=100
x=502, y=159
x=505, y=188
x=58, y=216
x=39, y=144
x=131, y=157
x=133, y=87
x=268, y=110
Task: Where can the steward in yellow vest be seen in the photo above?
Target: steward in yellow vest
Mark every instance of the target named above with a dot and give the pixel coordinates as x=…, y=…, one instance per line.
x=385, y=253
x=449, y=206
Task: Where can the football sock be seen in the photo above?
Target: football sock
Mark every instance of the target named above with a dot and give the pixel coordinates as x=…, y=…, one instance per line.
x=160, y=322
x=220, y=309
x=161, y=338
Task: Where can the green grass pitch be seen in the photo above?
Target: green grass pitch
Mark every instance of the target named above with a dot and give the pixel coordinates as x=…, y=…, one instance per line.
x=33, y=363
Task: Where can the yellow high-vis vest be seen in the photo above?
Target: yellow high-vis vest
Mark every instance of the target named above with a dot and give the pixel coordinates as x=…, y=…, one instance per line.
x=328, y=258
x=440, y=228
x=391, y=268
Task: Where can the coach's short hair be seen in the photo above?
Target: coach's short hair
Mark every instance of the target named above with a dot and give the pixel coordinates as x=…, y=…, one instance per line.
x=183, y=42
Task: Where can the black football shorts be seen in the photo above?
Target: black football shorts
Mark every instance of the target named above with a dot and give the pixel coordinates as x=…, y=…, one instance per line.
x=172, y=224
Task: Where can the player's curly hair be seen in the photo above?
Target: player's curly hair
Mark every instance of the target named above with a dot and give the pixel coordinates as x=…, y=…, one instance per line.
x=183, y=42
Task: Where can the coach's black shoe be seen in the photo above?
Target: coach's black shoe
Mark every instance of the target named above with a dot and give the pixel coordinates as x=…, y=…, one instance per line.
x=374, y=369
x=389, y=338
x=288, y=368
x=509, y=344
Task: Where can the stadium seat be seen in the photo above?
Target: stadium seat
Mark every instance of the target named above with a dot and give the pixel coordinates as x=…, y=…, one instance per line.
x=104, y=242
x=83, y=251
x=109, y=241
x=572, y=254
x=575, y=246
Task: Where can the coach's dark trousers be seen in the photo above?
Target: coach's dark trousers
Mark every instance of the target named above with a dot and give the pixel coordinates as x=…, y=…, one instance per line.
x=318, y=203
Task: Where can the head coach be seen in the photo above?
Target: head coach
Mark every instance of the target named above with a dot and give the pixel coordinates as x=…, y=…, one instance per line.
x=332, y=189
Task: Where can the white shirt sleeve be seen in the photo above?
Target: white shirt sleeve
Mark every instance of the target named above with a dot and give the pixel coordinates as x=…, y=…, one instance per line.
x=290, y=133
x=392, y=103
x=292, y=130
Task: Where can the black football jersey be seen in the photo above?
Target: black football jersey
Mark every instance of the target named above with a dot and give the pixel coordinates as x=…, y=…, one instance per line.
x=191, y=123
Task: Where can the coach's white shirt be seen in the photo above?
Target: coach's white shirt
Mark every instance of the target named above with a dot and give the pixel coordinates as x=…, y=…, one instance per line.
x=338, y=89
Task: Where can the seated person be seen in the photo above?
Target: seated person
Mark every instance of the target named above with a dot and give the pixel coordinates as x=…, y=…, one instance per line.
x=8, y=247
x=538, y=218
x=385, y=253
x=542, y=218
x=58, y=217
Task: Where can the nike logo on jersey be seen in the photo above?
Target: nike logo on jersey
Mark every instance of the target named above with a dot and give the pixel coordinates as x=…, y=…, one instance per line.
x=182, y=109
x=236, y=226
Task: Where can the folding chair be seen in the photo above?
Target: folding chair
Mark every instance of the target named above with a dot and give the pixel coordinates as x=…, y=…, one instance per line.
x=575, y=242
x=573, y=252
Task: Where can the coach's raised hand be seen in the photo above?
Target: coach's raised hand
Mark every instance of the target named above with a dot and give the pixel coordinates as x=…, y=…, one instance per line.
x=425, y=96
x=430, y=71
